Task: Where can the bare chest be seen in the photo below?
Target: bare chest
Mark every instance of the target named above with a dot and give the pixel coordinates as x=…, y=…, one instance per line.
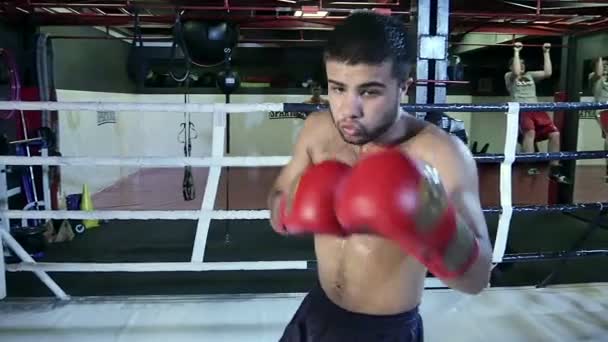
x=334, y=148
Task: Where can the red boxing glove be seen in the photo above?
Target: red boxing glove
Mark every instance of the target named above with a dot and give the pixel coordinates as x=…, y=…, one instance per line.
x=312, y=207
x=394, y=197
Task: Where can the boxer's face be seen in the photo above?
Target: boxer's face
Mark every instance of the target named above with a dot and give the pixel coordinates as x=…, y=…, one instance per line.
x=363, y=99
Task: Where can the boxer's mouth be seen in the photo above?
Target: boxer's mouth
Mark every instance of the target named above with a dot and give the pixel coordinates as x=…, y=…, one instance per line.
x=350, y=128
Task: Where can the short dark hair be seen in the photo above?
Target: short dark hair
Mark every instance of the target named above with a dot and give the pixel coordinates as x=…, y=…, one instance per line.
x=366, y=37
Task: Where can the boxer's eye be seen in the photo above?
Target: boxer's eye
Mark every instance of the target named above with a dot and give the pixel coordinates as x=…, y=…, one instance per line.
x=337, y=90
x=370, y=92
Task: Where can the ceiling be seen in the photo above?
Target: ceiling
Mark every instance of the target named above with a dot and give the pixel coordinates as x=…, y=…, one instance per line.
x=304, y=22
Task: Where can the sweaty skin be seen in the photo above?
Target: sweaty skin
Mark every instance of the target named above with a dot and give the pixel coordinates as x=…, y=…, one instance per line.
x=366, y=273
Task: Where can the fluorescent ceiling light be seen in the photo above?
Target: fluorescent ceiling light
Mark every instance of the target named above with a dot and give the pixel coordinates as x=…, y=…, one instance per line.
x=317, y=14
x=61, y=10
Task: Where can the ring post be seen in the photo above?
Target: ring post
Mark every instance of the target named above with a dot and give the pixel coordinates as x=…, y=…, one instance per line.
x=4, y=226
x=46, y=182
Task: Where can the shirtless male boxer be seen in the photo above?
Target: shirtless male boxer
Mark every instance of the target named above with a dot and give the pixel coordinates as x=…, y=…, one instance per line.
x=533, y=126
x=386, y=195
x=598, y=80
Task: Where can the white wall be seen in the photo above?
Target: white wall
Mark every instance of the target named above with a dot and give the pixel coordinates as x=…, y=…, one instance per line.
x=156, y=134
x=251, y=134
x=133, y=134
x=490, y=127
x=589, y=137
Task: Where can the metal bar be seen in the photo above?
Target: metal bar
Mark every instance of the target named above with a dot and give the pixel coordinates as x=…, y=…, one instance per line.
x=24, y=256
x=510, y=29
x=543, y=156
x=3, y=288
x=548, y=256
x=508, y=44
x=159, y=5
x=254, y=40
x=151, y=38
x=423, y=9
x=22, y=141
x=441, y=73
x=46, y=181
x=582, y=219
x=441, y=65
x=123, y=20
x=150, y=5
x=4, y=225
x=527, y=209
x=591, y=227
x=363, y=3
x=514, y=15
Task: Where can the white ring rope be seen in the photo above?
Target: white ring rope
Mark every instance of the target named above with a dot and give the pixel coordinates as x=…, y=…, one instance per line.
x=160, y=266
x=143, y=107
x=139, y=214
x=506, y=199
x=148, y=161
x=217, y=160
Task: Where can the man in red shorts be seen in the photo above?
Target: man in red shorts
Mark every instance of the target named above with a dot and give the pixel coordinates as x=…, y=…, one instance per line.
x=534, y=126
x=598, y=80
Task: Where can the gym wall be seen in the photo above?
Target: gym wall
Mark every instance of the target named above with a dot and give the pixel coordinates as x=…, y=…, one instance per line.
x=89, y=64
x=96, y=69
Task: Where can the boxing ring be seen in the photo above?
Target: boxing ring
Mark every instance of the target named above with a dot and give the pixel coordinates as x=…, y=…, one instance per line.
x=556, y=313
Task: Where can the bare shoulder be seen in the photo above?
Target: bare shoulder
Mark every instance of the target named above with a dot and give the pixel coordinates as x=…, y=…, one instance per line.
x=319, y=118
x=435, y=144
x=316, y=126
x=448, y=154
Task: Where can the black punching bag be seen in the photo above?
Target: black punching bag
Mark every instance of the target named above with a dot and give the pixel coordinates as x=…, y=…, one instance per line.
x=228, y=81
x=206, y=41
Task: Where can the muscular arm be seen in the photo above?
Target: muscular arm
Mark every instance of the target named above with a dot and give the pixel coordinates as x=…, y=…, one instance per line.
x=598, y=71
x=509, y=80
x=458, y=172
x=300, y=161
x=516, y=70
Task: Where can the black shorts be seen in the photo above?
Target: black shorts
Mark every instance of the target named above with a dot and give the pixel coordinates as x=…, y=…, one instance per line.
x=320, y=320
